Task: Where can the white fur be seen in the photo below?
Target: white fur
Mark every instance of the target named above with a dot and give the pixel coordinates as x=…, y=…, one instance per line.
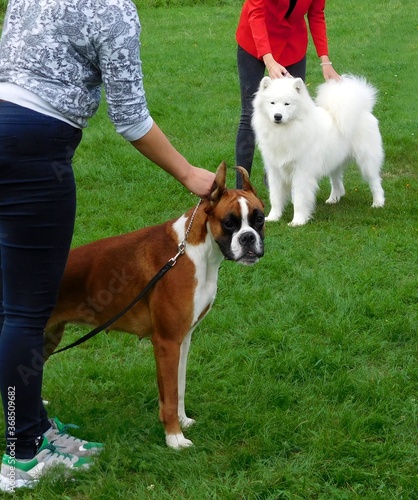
x=177, y=441
x=316, y=139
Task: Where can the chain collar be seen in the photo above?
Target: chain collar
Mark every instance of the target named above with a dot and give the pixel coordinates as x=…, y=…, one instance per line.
x=182, y=245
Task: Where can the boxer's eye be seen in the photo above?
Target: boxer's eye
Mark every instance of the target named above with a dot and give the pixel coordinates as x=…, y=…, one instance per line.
x=259, y=221
x=230, y=224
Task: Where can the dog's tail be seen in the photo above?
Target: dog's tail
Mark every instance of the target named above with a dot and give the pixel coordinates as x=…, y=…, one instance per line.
x=347, y=100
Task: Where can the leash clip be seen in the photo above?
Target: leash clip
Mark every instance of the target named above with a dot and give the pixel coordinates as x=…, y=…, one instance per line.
x=182, y=245
x=181, y=250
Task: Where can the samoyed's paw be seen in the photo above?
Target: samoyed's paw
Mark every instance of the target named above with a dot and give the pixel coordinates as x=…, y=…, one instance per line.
x=332, y=200
x=379, y=203
x=298, y=221
x=273, y=216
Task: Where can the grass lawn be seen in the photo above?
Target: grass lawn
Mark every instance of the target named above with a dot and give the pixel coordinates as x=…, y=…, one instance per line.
x=303, y=379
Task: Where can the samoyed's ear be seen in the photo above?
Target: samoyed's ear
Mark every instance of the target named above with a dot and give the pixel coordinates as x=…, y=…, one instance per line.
x=265, y=83
x=298, y=84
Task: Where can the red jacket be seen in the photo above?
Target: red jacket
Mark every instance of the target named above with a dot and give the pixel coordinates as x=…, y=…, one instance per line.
x=263, y=29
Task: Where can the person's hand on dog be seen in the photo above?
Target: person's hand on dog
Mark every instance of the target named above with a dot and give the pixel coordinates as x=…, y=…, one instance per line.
x=275, y=69
x=199, y=181
x=329, y=73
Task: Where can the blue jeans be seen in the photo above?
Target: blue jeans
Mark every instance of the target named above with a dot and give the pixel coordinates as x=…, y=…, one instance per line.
x=251, y=71
x=37, y=212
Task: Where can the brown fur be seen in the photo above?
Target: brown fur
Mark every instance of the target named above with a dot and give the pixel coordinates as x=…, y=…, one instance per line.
x=102, y=277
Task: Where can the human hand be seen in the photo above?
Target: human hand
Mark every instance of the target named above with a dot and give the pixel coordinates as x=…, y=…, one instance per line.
x=329, y=73
x=199, y=181
x=276, y=70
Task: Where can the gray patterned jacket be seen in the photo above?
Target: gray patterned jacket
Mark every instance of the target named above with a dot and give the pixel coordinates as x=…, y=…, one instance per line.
x=64, y=50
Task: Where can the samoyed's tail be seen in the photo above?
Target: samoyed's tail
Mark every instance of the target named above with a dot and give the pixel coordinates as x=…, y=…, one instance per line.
x=347, y=100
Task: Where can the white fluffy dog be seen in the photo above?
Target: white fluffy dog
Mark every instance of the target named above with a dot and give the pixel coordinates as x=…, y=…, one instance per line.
x=302, y=140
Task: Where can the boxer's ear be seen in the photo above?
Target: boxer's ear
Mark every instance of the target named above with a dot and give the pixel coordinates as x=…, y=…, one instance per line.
x=219, y=186
x=246, y=184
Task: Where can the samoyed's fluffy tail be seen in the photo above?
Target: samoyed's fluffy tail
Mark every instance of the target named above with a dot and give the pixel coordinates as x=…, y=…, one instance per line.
x=347, y=101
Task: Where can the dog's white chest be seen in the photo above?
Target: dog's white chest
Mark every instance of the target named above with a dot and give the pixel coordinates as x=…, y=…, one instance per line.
x=206, y=276
x=206, y=257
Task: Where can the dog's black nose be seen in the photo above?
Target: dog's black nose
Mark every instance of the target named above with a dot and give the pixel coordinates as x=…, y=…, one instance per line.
x=278, y=117
x=247, y=239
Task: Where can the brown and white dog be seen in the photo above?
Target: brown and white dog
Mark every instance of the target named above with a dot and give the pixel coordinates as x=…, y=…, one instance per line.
x=102, y=277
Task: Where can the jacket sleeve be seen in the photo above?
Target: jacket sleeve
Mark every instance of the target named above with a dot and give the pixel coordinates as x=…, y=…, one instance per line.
x=121, y=68
x=317, y=26
x=256, y=18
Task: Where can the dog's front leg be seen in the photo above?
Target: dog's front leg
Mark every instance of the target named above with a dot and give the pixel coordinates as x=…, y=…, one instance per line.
x=303, y=198
x=279, y=193
x=185, y=421
x=167, y=356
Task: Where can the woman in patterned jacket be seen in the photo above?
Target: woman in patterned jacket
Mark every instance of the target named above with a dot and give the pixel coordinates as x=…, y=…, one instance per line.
x=55, y=55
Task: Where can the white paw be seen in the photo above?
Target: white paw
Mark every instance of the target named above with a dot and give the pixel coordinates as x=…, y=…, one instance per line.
x=273, y=216
x=378, y=204
x=332, y=201
x=298, y=222
x=177, y=441
x=186, y=422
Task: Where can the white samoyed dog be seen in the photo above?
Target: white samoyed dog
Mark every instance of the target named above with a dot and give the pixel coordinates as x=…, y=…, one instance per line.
x=302, y=140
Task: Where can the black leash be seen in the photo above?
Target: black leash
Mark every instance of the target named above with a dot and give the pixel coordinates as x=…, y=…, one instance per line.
x=105, y=325
x=171, y=263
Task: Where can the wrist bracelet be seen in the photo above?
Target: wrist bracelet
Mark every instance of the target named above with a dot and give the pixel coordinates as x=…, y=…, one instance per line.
x=326, y=63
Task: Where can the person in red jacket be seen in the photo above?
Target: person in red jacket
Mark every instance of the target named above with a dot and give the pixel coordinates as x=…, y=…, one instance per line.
x=273, y=34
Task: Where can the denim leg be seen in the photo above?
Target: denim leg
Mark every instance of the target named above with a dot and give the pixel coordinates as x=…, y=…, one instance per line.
x=37, y=211
x=298, y=70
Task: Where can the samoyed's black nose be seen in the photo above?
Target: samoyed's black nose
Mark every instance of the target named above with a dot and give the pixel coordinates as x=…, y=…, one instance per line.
x=278, y=117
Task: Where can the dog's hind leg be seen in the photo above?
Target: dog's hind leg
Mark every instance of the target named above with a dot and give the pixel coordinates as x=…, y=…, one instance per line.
x=337, y=187
x=369, y=156
x=378, y=194
x=185, y=421
x=370, y=171
x=52, y=337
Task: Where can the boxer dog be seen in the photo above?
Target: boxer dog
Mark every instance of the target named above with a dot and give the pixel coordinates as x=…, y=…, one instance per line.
x=102, y=277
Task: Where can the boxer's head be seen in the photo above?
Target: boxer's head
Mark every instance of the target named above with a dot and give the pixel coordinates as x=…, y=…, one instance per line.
x=236, y=219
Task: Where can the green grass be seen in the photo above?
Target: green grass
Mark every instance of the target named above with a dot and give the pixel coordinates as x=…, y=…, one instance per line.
x=303, y=379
